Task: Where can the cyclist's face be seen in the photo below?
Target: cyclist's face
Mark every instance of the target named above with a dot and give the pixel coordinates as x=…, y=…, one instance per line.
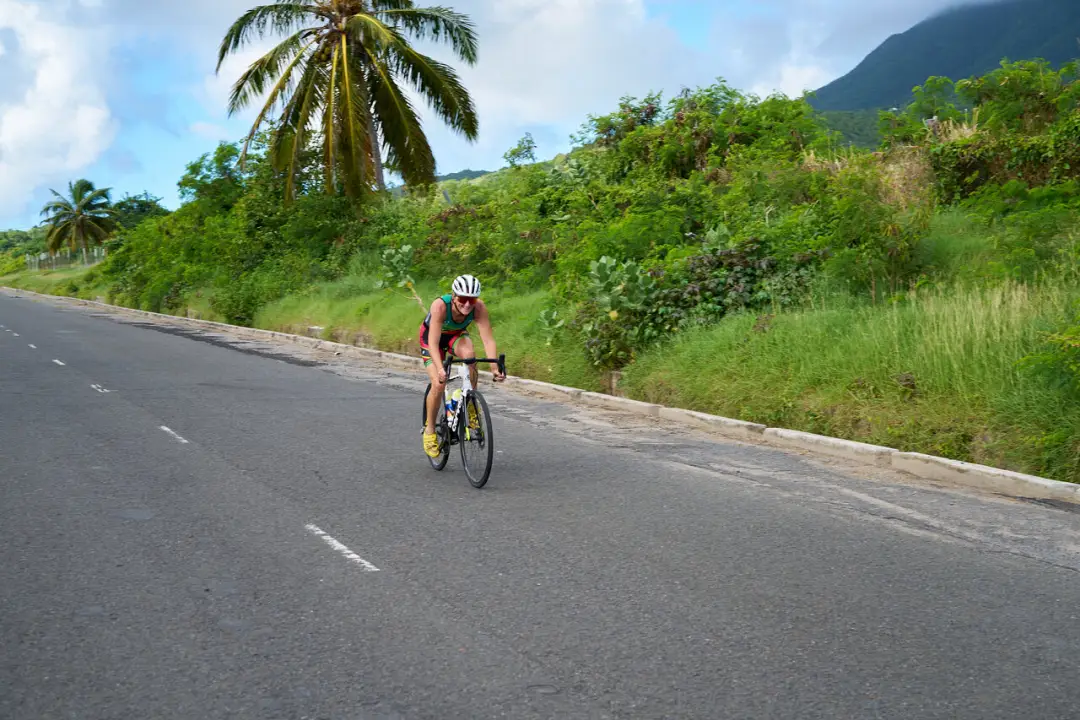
x=465, y=304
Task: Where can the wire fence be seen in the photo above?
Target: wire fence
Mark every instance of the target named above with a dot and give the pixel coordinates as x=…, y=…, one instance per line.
x=65, y=258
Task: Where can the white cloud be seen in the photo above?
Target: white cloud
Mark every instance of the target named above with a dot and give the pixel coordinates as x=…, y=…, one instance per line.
x=215, y=89
x=796, y=45
x=60, y=123
x=551, y=63
x=544, y=66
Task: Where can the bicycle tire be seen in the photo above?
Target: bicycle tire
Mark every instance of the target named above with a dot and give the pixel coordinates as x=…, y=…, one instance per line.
x=476, y=478
x=441, y=429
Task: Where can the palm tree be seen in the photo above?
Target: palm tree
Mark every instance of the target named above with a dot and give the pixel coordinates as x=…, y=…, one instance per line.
x=338, y=76
x=76, y=221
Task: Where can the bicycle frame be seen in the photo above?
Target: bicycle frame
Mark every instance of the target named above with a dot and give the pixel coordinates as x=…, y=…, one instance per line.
x=466, y=385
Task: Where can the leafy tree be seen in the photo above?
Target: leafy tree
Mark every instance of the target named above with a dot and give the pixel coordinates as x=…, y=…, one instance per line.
x=1025, y=96
x=133, y=209
x=341, y=68
x=85, y=217
x=215, y=181
x=524, y=150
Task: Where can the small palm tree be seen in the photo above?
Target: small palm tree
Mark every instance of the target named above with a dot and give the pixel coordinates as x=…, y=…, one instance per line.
x=85, y=217
x=339, y=74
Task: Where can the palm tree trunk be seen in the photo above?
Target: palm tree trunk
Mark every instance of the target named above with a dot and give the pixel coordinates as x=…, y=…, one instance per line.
x=376, y=153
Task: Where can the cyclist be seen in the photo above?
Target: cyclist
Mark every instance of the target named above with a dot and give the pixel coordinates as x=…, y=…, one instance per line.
x=444, y=330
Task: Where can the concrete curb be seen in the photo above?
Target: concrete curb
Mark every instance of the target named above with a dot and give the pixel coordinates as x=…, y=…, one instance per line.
x=847, y=449
x=617, y=403
x=716, y=423
x=929, y=467
x=1005, y=482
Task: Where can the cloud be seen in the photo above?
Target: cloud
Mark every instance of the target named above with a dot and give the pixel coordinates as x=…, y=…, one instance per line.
x=796, y=45
x=56, y=122
x=545, y=65
x=215, y=87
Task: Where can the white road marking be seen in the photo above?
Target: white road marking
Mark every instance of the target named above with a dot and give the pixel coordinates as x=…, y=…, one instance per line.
x=316, y=530
x=100, y=389
x=33, y=346
x=57, y=361
x=174, y=434
x=15, y=334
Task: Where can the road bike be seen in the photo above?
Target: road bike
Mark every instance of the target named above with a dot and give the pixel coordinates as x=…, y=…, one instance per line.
x=452, y=426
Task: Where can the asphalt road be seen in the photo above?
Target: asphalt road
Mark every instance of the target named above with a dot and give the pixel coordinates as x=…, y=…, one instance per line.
x=198, y=527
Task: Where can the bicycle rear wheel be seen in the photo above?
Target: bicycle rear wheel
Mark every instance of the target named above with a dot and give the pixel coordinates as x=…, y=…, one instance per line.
x=441, y=431
x=477, y=443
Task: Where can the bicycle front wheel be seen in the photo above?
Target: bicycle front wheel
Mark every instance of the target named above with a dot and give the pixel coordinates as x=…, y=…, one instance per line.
x=476, y=439
x=441, y=431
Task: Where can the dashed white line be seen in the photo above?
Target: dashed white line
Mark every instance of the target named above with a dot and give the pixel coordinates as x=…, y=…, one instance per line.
x=32, y=345
x=341, y=548
x=15, y=334
x=100, y=389
x=57, y=361
x=174, y=434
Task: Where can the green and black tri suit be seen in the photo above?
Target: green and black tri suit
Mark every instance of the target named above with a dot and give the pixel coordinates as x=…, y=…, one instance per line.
x=451, y=331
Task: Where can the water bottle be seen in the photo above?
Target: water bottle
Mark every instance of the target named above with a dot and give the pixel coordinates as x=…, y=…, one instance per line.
x=452, y=403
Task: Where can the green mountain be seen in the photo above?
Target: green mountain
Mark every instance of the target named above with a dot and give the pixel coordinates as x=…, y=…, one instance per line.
x=958, y=43
x=463, y=175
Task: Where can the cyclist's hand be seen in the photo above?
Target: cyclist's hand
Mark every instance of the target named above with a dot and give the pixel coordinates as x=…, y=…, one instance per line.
x=442, y=376
x=496, y=375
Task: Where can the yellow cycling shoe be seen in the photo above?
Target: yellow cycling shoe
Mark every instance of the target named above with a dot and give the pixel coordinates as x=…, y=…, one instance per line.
x=431, y=445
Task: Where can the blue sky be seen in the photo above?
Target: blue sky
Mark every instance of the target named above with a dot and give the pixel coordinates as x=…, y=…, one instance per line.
x=124, y=92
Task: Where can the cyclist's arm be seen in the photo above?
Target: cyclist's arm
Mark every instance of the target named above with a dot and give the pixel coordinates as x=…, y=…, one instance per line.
x=487, y=336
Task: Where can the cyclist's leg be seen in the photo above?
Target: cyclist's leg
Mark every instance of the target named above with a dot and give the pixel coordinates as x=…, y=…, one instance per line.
x=462, y=347
x=435, y=397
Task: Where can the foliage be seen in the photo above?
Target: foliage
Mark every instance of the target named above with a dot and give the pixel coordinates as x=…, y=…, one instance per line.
x=714, y=214
x=83, y=218
x=858, y=128
x=340, y=69
x=397, y=266
x=133, y=209
x=524, y=150
x=24, y=242
x=1059, y=356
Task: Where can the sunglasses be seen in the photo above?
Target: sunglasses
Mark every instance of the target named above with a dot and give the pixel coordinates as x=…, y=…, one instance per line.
x=467, y=300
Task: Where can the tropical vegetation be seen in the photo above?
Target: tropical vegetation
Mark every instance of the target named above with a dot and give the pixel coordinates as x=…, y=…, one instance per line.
x=338, y=79
x=83, y=218
x=715, y=250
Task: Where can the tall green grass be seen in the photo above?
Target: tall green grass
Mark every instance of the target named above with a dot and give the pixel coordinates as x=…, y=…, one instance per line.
x=351, y=310
x=936, y=372
x=76, y=281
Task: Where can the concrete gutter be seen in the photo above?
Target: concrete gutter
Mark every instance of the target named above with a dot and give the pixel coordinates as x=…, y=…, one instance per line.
x=928, y=467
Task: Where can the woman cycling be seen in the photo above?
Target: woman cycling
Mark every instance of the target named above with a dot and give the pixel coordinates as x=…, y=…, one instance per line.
x=444, y=331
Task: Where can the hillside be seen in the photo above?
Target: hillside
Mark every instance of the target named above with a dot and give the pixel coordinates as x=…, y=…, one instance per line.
x=714, y=253
x=958, y=43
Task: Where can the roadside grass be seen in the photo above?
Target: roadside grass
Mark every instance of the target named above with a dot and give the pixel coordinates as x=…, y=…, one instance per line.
x=936, y=370
x=936, y=373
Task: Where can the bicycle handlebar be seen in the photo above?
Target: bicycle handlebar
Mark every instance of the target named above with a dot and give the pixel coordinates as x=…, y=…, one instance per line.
x=450, y=360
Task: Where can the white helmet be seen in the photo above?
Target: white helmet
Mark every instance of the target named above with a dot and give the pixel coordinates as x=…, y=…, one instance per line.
x=466, y=286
